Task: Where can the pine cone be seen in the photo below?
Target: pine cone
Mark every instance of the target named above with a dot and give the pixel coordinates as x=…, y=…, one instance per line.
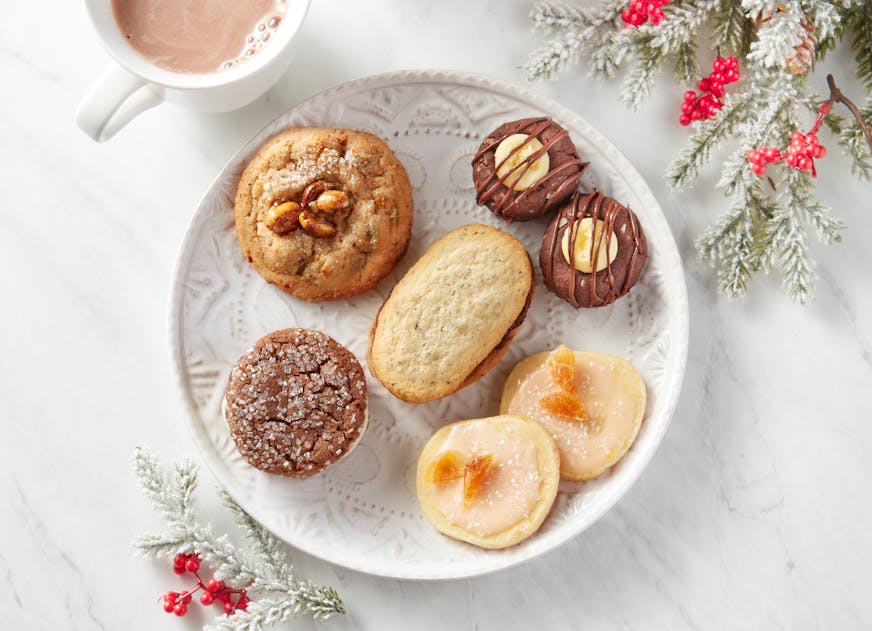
x=803, y=54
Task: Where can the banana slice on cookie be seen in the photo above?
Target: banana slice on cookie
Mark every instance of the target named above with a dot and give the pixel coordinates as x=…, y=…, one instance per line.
x=592, y=404
x=490, y=481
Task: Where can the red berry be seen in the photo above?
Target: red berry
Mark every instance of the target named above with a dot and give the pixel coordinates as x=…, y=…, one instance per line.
x=753, y=156
x=180, y=609
x=689, y=96
x=179, y=569
x=192, y=564
x=684, y=119
x=820, y=151
x=223, y=597
x=625, y=15
x=759, y=169
x=696, y=115
x=686, y=108
x=229, y=609
x=718, y=64
x=242, y=603
x=179, y=560
x=207, y=598
x=803, y=163
x=703, y=84
x=214, y=585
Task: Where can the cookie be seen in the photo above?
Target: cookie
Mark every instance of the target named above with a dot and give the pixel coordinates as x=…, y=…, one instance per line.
x=606, y=244
x=453, y=315
x=489, y=482
x=324, y=213
x=526, y=168
x=296, y=402
x=592, y=404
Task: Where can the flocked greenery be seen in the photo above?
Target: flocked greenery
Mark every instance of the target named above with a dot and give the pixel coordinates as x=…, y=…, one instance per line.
x=778, y=43
x=263, y=569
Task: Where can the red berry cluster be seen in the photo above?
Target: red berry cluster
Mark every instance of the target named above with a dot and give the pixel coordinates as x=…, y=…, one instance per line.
x=725, y=70
x=759, y=158
x=638, y=12
x=214, y=591
x=804, y=148
x=801, y=153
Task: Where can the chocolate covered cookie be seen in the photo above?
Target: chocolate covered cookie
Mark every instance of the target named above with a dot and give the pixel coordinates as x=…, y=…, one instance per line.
x=296, y=402
x=324, y=213
x=593, y=251
x=526, y=168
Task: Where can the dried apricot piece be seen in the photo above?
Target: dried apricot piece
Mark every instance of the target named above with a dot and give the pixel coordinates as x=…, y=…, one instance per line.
x=561, y=366
x=564, y=404
x=474, y=473
x=449, y=466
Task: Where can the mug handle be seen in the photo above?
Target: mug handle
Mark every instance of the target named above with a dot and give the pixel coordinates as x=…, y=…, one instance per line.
x=116, y=99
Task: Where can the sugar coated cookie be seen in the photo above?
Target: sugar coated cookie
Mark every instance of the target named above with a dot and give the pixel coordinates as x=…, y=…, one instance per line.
x=296, y=402
x=324, y=213
x=591, y=403
x=490, y=481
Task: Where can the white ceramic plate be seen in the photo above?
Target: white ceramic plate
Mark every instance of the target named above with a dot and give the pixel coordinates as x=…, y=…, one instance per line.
x=363, y=513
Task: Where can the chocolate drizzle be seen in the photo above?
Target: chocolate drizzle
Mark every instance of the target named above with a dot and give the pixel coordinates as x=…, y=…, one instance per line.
x=597, y=288
x=504, y=201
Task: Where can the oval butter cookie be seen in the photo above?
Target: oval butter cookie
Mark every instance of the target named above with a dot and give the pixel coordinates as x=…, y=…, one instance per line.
x=452, y=316
x=591, y=403
x=324, y=213
x=489, y=482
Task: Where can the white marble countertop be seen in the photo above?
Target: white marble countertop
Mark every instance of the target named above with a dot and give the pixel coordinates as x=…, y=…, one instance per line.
x=754, y=513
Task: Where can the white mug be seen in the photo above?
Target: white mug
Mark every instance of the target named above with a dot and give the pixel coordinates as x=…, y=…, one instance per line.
x=133, y=84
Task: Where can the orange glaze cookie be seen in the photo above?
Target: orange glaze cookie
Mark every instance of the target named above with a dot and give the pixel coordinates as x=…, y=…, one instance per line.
x=489, y=482
x=592, y=404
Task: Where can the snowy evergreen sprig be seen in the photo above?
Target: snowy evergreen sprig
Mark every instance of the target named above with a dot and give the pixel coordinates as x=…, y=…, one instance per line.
x=777, y=42
x=264, y=569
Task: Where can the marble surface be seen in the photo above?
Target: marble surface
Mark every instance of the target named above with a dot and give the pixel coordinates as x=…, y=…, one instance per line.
x=753, y=514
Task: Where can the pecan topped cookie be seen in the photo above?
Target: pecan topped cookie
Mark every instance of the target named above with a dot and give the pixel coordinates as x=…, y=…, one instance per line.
x=324, y=213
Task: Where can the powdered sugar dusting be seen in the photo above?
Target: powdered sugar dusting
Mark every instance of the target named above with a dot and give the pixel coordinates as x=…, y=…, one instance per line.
x=296, y=402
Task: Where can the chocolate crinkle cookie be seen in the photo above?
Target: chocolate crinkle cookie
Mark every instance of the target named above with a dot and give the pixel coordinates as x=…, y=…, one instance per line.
x=526, y=168
x=593, y=251
x=296, y=402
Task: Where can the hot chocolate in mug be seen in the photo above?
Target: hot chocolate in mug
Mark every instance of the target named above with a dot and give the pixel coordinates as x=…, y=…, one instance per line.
x=156, y=62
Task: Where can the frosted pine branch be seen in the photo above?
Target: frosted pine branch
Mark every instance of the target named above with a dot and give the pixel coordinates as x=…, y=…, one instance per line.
x=572, y=30
x=705, y=139
x=778, y=36
x=777, y=43
x=266, y=572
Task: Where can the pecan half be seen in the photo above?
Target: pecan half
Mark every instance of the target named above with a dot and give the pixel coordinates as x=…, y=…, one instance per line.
x=316, y=228
x=283, y=218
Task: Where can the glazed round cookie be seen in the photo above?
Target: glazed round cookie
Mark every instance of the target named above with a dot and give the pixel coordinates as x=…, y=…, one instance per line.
x=324, y=213
x=526, y=168
x=489, y=482
x=606, y=244
x=296, y=402
x=592, y=404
